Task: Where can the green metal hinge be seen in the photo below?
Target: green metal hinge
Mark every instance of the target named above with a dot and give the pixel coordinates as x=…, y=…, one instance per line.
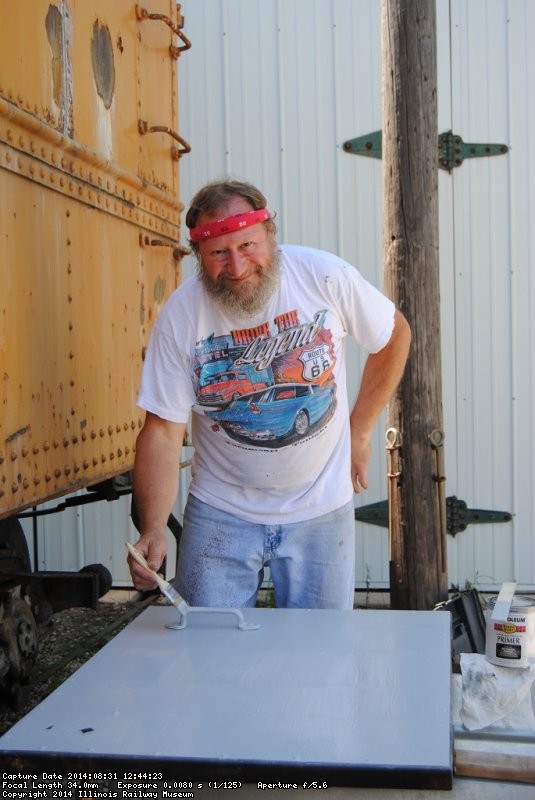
x=458, y=515
x=451, y=149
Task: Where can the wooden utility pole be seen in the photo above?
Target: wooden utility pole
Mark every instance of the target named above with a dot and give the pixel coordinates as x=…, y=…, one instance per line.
x=418, y=576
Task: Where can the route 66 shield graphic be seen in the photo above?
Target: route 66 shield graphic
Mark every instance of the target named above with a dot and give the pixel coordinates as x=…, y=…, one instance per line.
x=316, y=362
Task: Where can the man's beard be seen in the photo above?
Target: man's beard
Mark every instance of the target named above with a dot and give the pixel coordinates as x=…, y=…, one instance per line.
x=244, y=300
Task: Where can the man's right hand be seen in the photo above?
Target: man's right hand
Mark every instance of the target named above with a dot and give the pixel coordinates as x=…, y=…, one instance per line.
x=154, y=548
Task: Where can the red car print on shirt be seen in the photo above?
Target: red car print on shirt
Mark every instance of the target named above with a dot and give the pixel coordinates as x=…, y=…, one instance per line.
x=220, y=389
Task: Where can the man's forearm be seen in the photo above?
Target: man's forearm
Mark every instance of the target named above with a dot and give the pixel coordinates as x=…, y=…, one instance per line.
x=156, y=470
x=156, y=474
x=381, y=375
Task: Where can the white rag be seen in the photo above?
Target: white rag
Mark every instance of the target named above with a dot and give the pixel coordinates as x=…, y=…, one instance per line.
x=493, y=695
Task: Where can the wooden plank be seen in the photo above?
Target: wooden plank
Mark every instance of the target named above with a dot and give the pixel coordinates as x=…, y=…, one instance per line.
x=495, y=766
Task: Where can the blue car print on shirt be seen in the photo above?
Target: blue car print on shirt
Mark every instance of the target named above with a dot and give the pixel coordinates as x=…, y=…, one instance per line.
x=284, y=412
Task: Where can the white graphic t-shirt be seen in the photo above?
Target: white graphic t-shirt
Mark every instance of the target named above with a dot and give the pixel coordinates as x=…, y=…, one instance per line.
x=267, y=395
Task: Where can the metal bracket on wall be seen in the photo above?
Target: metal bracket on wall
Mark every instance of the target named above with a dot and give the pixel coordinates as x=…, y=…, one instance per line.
x=451, y=149
x=458, y=515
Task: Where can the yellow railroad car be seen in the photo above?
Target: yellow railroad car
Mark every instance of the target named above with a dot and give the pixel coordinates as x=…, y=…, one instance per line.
x=89, y=245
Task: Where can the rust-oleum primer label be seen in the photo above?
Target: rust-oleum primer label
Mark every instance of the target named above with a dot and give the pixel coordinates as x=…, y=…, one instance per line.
x=510, y=643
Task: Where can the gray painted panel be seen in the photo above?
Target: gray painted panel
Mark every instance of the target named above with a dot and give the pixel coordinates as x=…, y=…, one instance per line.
x=367, y=693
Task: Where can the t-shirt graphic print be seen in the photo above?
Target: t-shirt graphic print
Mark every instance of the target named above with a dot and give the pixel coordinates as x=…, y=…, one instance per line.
x=268, y=385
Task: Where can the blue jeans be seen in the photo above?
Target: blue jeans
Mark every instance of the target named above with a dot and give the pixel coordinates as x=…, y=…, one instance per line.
x=222, y=558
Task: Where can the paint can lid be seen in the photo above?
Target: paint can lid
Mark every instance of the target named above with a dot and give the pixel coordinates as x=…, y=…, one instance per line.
x=519, y=602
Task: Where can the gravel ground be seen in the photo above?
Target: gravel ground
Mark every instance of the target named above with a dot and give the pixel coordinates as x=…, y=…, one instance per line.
x=67, y=642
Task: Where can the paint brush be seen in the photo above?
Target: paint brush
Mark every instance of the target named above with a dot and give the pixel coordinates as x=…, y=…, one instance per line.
x=165, y=587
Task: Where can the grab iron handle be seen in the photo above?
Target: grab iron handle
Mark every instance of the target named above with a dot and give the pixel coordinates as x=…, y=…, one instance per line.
x=142, y=14
x=144, y=127
x=179, y=251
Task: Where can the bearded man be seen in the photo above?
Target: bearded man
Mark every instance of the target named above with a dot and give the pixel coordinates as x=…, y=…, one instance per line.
x=252, y=350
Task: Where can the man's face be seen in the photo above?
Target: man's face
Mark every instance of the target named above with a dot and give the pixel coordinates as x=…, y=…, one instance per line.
x=239, y=269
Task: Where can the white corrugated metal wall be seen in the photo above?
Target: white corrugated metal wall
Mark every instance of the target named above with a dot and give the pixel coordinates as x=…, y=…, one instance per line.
x=270, y=91
x=487, y=259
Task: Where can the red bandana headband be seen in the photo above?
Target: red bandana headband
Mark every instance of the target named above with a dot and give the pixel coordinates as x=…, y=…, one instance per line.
x=228, y=225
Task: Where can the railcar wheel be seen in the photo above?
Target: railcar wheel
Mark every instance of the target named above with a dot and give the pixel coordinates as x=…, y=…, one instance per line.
x=19, y=643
